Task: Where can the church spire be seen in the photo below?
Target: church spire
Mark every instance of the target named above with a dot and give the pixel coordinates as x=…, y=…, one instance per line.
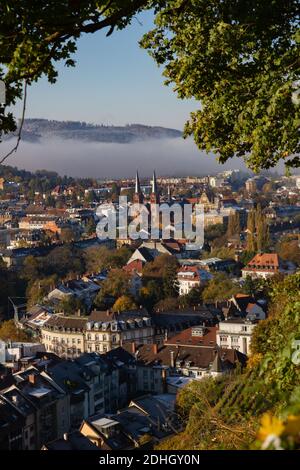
x=138, y=196
x=154, y=197
x=169, y=193
x=137, y=183
x=154, y=184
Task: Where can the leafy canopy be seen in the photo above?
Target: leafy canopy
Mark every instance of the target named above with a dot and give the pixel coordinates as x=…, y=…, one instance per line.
x=35, y=35
x=238, y=59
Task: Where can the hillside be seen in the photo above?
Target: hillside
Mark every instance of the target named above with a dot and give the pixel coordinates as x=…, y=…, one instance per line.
x=260, y=407
x=36, y=129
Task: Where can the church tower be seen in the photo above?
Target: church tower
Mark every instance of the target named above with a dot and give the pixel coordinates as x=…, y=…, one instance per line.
x=154, y=196
x=138, y=195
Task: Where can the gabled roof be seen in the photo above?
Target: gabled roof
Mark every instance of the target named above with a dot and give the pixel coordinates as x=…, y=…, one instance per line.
x=134, y=266
x=72, y=441
x=186, y=338
x=264, y=261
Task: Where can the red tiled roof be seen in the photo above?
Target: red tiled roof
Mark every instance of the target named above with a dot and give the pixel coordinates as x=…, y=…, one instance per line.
x=185, y=338
x=134, y=266
x=192, y=200
x=264, y=262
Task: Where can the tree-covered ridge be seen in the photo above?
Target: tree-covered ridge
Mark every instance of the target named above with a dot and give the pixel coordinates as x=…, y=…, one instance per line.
x=37, y=129
x=243, y=410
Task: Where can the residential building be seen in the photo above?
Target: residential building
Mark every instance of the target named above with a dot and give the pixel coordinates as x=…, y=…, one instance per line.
x=71, y=441
x=100, y=332
x=84, y=290
x=265, y=265
x=11, y=426
x=235, y=333
x=144, y=422
x=189, y=277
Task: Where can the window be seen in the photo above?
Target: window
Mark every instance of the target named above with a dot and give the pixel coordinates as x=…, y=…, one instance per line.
x=78, y=341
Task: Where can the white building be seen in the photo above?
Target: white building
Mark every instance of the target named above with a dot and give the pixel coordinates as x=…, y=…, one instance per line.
x=235, y=333
x=11, y=352
x=191, y=276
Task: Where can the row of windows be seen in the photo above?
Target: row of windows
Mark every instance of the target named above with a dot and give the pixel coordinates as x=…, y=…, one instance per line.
x=234, y=339
x=62, y=340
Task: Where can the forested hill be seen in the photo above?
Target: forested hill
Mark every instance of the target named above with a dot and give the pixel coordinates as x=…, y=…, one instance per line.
x=36, y=129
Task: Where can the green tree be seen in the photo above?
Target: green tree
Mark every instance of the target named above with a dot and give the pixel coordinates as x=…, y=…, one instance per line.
x=262, y=230
x=34, y=37
x=170, y=283
x=251, y=241
x=193, y=298
x=70, y=306
x=240, y=61
x=234, y=226
x=9, y=332
x=289, y=250
x=90, y=227
x=31, y=268
x=220, y=288
x=37, y=290
x=124, y=302
x=151, y=293
x=117, y=284
x=101, y=257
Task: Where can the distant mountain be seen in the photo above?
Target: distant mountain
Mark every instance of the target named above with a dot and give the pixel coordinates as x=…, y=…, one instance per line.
x=37, y=129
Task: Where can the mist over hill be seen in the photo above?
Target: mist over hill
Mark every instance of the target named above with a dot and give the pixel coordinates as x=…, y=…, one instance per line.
x=35, y=130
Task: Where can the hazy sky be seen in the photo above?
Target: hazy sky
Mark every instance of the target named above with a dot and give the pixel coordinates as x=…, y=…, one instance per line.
x=114, y=81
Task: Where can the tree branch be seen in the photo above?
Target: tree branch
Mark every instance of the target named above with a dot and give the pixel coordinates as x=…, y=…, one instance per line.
x=19, y=135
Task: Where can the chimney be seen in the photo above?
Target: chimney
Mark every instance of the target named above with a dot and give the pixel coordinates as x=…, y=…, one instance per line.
x=78, y=312
x=155, y=348
x=133, y=347
x=31, y=378
x=172, y=359
x=15, y=399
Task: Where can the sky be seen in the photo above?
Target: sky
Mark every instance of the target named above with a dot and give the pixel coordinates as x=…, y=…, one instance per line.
x=114, y=82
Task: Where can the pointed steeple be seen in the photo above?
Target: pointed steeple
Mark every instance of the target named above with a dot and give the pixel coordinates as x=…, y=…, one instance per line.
x=154, y=196
x=137, y=183
x=169, y=193
x=138, y=196
x=154, y=184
